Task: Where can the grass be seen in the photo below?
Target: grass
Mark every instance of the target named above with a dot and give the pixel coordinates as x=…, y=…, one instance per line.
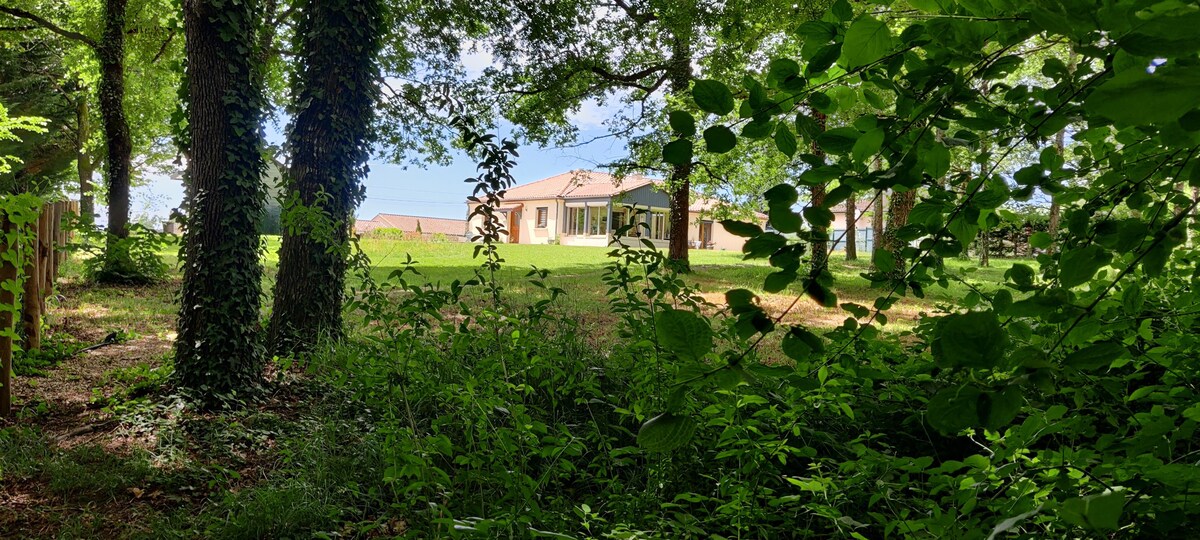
x=578, y=270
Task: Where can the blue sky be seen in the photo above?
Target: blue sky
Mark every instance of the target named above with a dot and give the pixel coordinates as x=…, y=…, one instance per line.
x=435, y=191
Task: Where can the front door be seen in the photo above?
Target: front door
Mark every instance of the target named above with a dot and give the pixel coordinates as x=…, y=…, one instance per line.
x=514, y=227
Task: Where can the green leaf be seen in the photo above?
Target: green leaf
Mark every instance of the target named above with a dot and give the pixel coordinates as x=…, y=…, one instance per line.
x=973, y=339
x=713, y=96
x=784, y=74
x=1100, y=512
x=666, y=432
x=682, y=122
x=719, y=139
x=954, y=409
x=1096, y=355
x=1192, y=413
x=1172, y=34
x=678, y=152
x=937, y=160
x=799, y=344
x=867, y=40
x=1077, y=266
x=868, y=145
x=785, y=140
x=823, y=59
x=1138, y=98
x=838, y=140
x=683, y=333
x=741, y=228
x=884, y=260
x=998, y=409
x=1040, y=240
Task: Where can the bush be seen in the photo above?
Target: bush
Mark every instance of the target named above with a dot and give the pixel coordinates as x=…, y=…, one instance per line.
x=133, y=260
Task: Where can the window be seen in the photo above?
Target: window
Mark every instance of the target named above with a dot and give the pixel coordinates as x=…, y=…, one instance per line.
x=660, y=228
x=575, y=221
x=543, y=216
x=598, y=222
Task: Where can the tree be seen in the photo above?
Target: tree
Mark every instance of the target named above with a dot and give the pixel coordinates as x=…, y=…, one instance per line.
x=555, y=56
x=333, y=105
x=218, y=354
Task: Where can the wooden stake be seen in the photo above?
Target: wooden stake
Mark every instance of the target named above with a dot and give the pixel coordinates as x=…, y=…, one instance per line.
x=8, y=272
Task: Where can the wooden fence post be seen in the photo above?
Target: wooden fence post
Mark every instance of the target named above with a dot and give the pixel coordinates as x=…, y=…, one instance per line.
x=8, y=272
x=31, y=299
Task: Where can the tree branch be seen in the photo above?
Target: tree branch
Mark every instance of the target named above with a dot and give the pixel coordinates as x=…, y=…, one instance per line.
x=69, y=34
x=632, y=79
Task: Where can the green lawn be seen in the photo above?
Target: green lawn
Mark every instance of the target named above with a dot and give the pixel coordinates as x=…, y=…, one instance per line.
x=578, y=271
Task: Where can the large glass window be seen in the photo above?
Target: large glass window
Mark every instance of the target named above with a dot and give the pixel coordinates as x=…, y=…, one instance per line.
x=598, y=222
x=660, y=228
x=575, y=221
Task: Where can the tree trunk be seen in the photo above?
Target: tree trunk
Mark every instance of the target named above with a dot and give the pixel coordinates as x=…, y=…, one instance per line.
x=83, y=161
x=898, y=208
x=1055, y=209
x=819, y=244
x=218, y=353
x=851, y=237
x=877, y=218
x=681, y=197
x=8, y=272
x=118, y=161
x=334, y=105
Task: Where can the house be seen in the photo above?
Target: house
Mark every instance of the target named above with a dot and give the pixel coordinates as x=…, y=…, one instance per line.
x=582, y=208
x=414, y=227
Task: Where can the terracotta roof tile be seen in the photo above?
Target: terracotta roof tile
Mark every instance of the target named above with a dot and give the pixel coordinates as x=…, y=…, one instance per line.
x=429, y=225
x=577, y=184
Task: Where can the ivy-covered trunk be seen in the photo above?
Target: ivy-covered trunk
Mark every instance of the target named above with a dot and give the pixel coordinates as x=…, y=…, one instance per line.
x=218, y=353
x=334, y=98
x=900, y=204
x=84, y=166
x=110, y=53
x=680, y=74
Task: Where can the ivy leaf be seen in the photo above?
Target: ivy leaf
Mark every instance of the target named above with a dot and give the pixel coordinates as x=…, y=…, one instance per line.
x=682, y=122
x=973, y=339
x=719, y=139
x=678, y=152
x=666, y=432
x=1137, y=98
x=713, y=96
x=867, y=40
x=683, y=333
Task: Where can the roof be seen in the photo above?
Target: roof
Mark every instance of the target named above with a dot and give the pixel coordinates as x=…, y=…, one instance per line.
x=708, y=206
x=429, y=225
x=577, y=184
x=863, y=204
